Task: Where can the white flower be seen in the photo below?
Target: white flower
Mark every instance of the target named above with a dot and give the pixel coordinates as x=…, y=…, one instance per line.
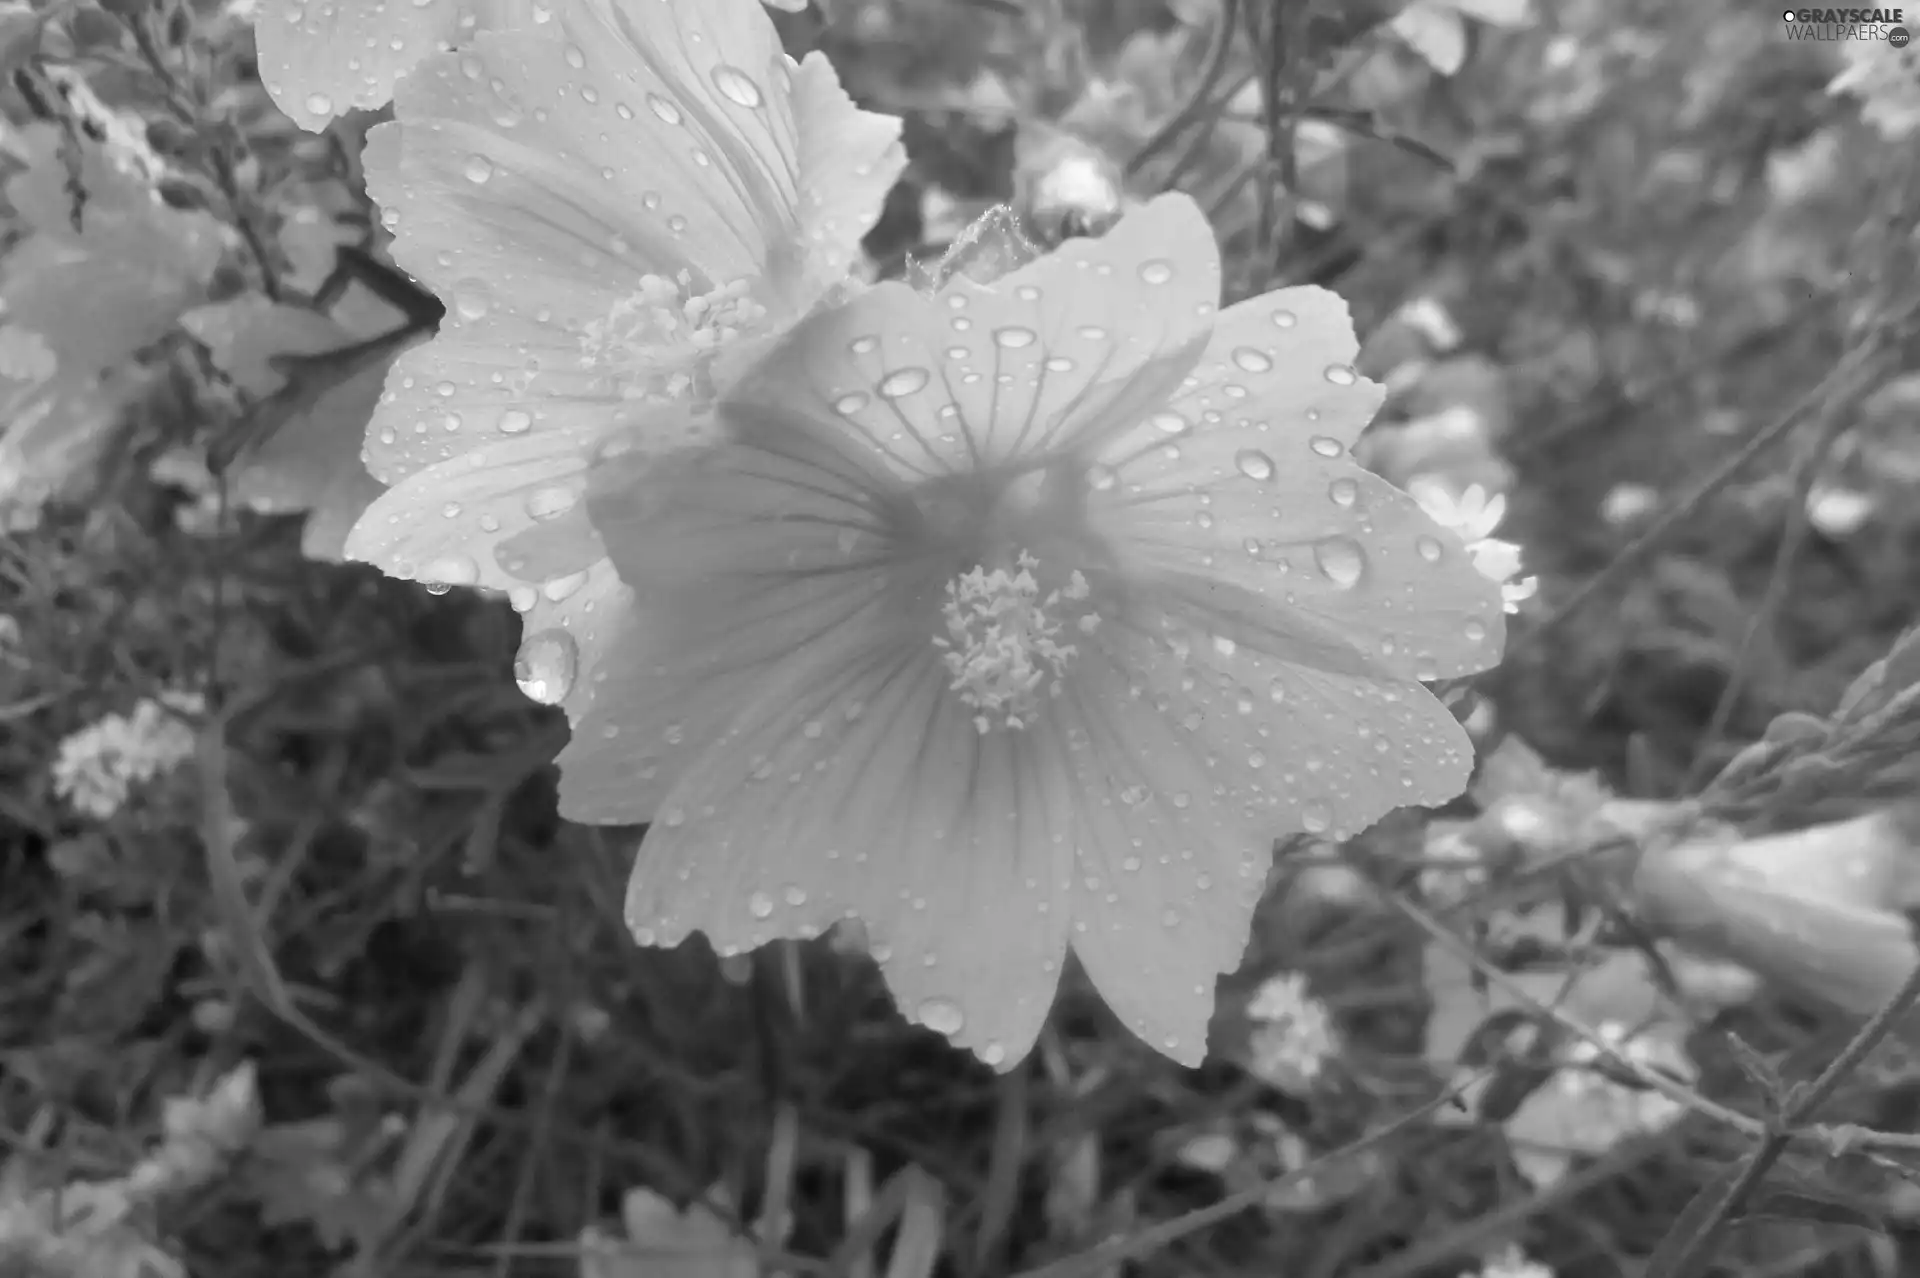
x=98, y=766
x=1474, y=516
x=1292, y=1036
x=1514, y=1263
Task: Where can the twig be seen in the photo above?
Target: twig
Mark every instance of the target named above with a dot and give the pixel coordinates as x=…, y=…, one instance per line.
x=1195, y=107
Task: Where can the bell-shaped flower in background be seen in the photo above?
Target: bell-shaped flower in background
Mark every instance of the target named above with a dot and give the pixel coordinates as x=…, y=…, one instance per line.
x=618, y=207
x=1024, y=616
x=322, y=58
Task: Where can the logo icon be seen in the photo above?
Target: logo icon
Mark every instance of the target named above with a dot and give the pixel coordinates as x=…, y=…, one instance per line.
x=1898, y=37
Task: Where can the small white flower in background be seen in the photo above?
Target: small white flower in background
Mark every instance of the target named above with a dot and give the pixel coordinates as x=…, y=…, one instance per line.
x=1455, y=866
x=664, y=1242
x=99, y=766
x=1292, y=1034
x=1625, y=503
x=1887, y=82
x=1838, y=512
x=1427, y=317
x=1474, y=517
x=1514, y=1263
x=1583, y=1111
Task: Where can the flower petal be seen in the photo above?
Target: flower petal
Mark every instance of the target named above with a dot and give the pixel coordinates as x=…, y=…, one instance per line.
x=1067, y=348
x=851, y=159
x=321, y=58
x=618, y=140
x=817, y=765
x=1198, y=754
x=1260, y=495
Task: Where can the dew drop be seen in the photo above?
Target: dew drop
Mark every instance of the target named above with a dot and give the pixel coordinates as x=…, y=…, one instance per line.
x=1059, y=364
x=849, y=404
x=942, y=1016
x=546, y=666
x=1341, y=561
x=1341, y=375
x=994, y=1054
x=1476, y=632
x=737, y=86
x=561, y=589
x=479, y=169
x=1277, y=692
x=1157, y=271
x=472, y=299
x=1254, y=464
x=1251, y=360
x=1285, y=319
x=1429, y=549
x=319, y=104
x=665, y=110
x=904, y=381
x=760, y=905
x=1013, y=337
x=1343, y=493
x=576, y=57
x=1315, y=818
x=516, y=421
x=1326, y=446
x=1170, y=423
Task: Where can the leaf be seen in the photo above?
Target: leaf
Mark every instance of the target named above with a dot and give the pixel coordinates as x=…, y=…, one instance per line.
x=1824, y=1208
x=1686, y=1250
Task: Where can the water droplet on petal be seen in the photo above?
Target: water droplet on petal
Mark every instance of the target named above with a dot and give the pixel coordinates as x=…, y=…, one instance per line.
x=515, y=421
x=479, y=169
x=1013, y=337
x=994, y=1054
x=1156, y=271
x=319, y=104
x=1341, y=375
x=1277, y=691
x=1315, y=818
x=1341, y=561
x=665, y=110
x=942, y=1016
x=546, y=666
x=904, y=381
x=760, y=905
x=472, y=299
x=1429, y=549
x=1254, y=464
x=1285, y=319
x=1343, y=492
x=1170, y=423
x=1327, y=446
x=850, y=403
x=1251, y=360
x=576, y=57
x=737, y=86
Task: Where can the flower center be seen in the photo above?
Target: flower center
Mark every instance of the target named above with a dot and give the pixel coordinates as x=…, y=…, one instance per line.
x=658, y=340
x=1003, y=640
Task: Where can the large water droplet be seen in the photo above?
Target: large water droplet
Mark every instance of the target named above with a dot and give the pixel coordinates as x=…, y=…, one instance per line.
x=1285, y=319
x=1156, y=271
x=1429, y=549
x=1315, y=818
x=737, y=86
x=1170, y=423
x=319, y=104
x=904, y=381
x=479, y=169
x=667, y=111
x=1341, y=375
x=472, y=299
x=1251, y=360
x=1327, y=446
x=850, y=403
x=1013, y=337
x=942, y=1016
x=760, y=905
x=1343, y=492
x=1341, y=561
x=1254, y=464
x=546, y=666
x=515, y=421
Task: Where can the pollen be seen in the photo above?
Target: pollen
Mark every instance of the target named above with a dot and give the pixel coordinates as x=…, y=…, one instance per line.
x=655, y=341
x=1003, y=642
